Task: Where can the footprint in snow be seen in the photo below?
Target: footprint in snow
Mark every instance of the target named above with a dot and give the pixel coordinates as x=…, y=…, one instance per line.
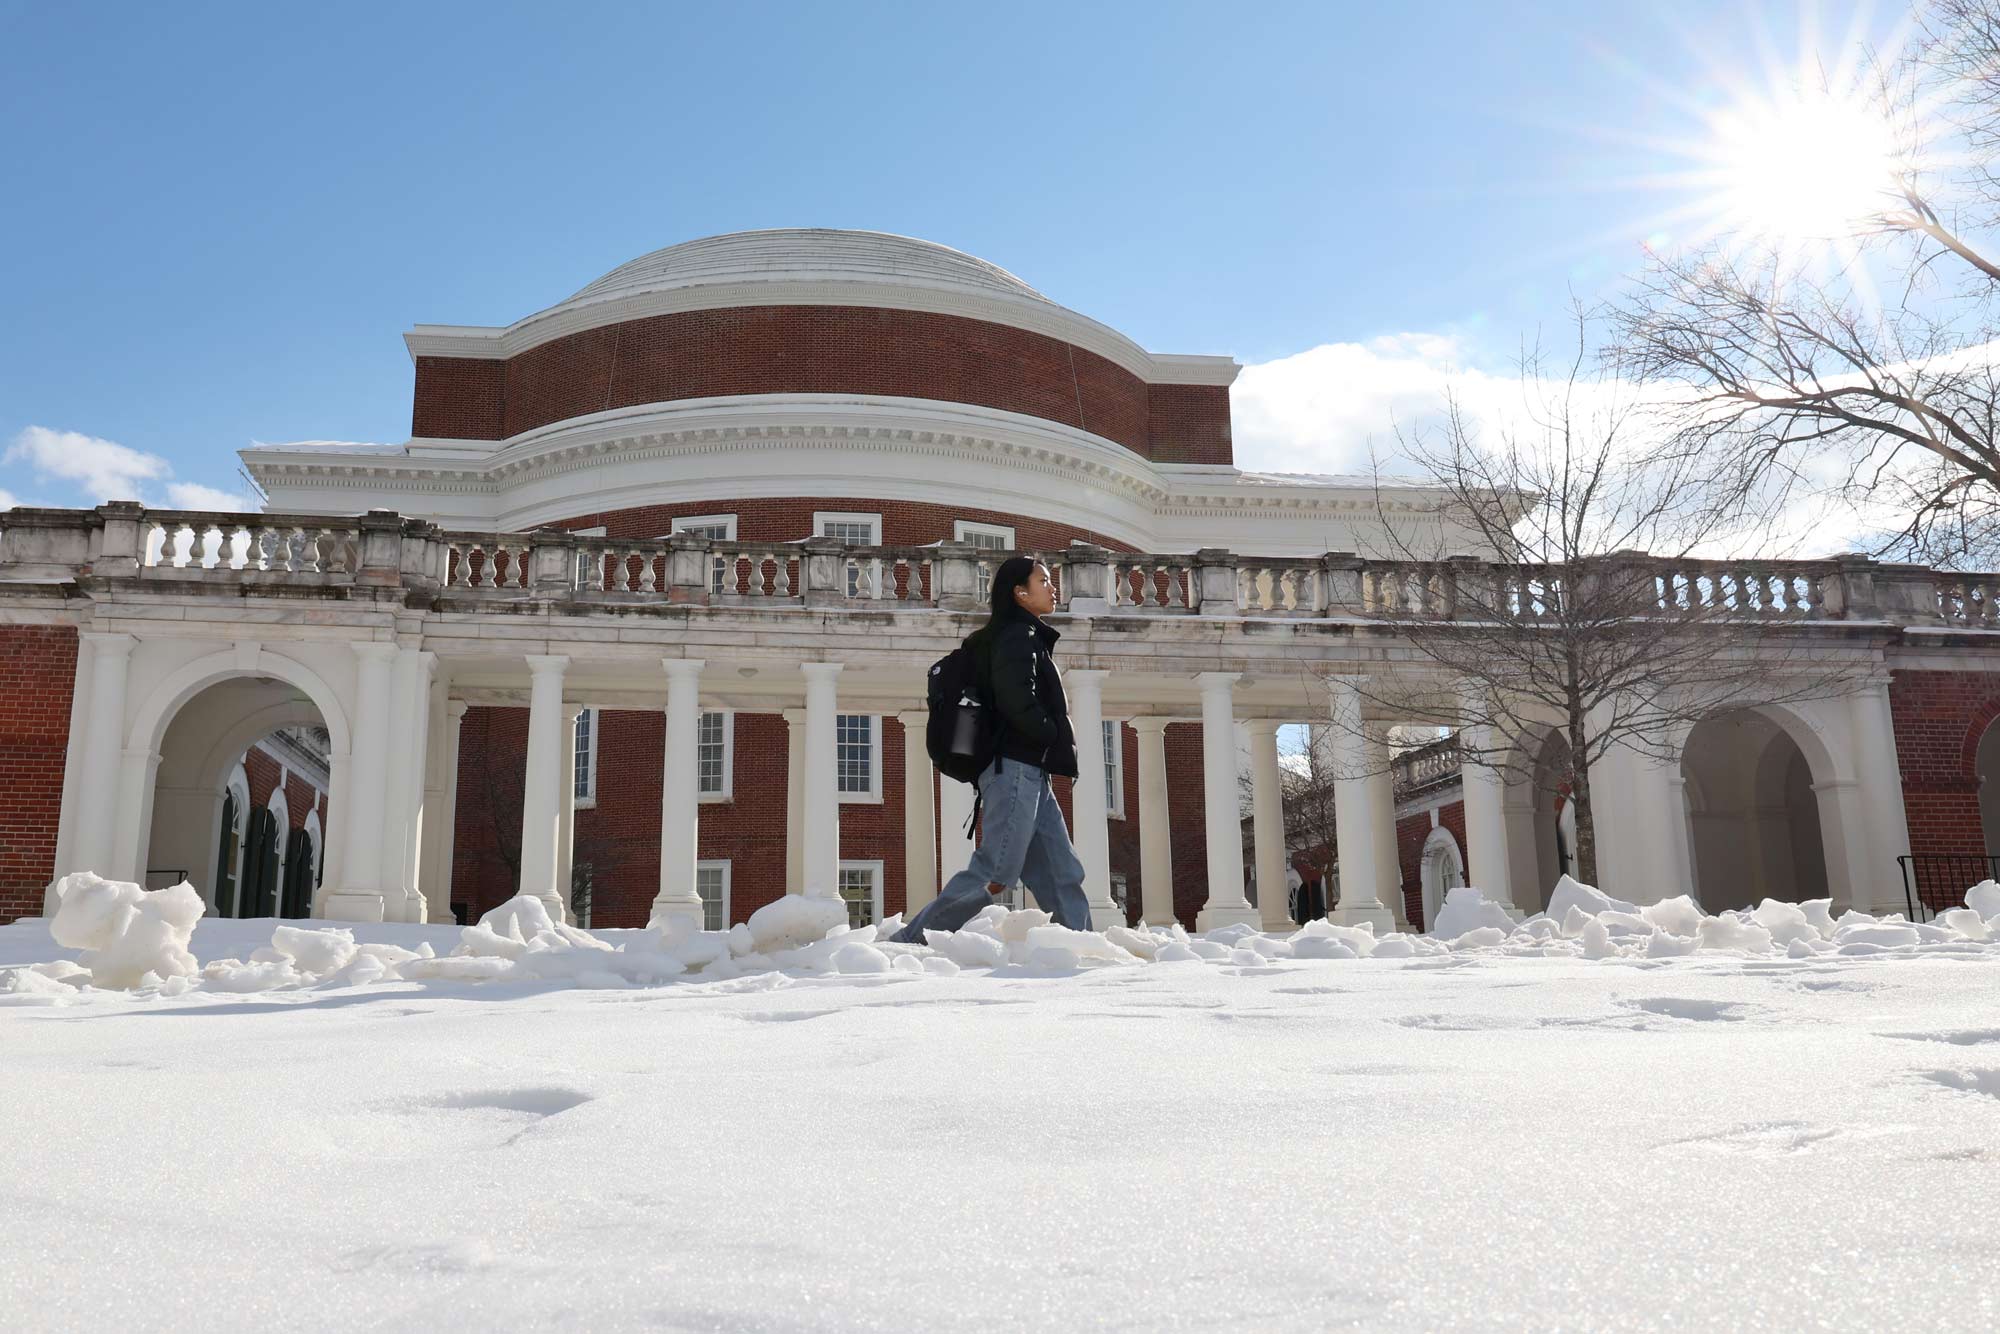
x=1772, y=1139
x=1964, y=1037
x=1966, y=1081
x=534, y=1102
x=1682, y=1007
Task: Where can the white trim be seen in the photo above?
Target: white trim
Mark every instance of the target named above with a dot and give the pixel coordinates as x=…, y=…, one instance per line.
x=721, y=864
x=281, y=811
x=238, y=785
x=963, y=530
x=874, y=868
x=728, y=792
x=874, y=793
x=1115, y=808
x=316, y=833
x=589, y=800
x=821, y=518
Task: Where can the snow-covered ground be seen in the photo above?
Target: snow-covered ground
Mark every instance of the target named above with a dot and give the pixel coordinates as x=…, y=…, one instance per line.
x=1503, y=1134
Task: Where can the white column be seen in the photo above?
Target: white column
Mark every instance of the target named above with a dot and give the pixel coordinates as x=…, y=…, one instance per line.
x=1156, y=846
x=1382, y=795
x=97, y=808
x=437, y=739
x=1355, y=812
x=566, y=823
x=358, y=897
x=1267, y=816
x=1640, y=811
x=820, y=820
x=1093, y=832
x=333, y=829
x=795, y=800
x=1221, y=807
x=441, y=820
x=919, y=826
x=1485, y=792
x=403, y=790
x=1879, y=779
x=956, y=838
x=678, y=906
x=541, y=788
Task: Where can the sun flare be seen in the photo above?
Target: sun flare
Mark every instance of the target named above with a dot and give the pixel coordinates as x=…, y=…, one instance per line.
x=1802, y=168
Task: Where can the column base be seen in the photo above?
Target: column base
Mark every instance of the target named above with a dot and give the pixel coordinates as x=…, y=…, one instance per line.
x=554, y=903
x=1284, y=926
x=1214, y=919
x=1372, y=914
x=1108, y=915
x=353, y=906
x=416, y=908
x=676, y=915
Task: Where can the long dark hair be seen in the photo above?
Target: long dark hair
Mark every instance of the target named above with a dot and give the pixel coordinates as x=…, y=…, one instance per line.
x=1013, y=573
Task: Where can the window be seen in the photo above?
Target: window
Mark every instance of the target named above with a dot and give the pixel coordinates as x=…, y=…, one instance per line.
x=584, y=577
x=1114, y=769
x=715, y=743
x=1119, y=891
x=716, y=528
x=858, y=750
x=585, y=776
x=711, y=885
x=856, y=530
x=861, y=886
x=986, y=537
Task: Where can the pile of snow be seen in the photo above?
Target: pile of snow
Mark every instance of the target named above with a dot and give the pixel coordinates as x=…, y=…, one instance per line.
x=132, y=939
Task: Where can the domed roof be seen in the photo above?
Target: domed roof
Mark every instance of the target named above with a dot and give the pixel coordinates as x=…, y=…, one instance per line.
x=806, y=255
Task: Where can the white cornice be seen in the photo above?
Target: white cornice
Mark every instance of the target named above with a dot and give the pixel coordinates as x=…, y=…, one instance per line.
x=1016, y=312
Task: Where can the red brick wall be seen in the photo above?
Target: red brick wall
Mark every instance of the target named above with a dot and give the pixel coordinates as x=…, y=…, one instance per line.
x=37, y=673
x=1939, y=718
x=301, y=798
x=825, y=350
x=1412, y=832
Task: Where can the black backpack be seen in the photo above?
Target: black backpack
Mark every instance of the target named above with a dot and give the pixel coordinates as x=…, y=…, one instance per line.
x=960, y=734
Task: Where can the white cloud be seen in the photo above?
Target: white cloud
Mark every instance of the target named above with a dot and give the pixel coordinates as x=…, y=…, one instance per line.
x=1325, y=409
x=97, y=470
x=7, y=500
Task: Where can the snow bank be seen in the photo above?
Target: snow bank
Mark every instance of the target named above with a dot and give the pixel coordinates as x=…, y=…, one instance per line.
x=130, y=938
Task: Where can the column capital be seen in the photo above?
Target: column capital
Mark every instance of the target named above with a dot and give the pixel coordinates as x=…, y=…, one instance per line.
x=572, y=710
x=1090, y=676
x=115, y=642
x=547, y=663
x=373, y=650
x=688, y=667
x=1217, y=680
x=914, y=719
x=821, y=671
x=1260, y=727
x=796, y=717
x=456, y=708
x=1148, y=724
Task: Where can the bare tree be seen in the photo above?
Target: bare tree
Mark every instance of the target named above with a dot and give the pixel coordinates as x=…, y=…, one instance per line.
x=1591, y=610
x=1867, y=370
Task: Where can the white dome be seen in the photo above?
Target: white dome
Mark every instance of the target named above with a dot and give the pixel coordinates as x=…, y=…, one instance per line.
x=806, y=255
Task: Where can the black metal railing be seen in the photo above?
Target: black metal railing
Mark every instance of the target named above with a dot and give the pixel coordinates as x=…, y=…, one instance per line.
x=1936, y=881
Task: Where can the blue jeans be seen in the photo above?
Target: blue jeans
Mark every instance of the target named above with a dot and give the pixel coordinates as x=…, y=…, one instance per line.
x=1021, y=837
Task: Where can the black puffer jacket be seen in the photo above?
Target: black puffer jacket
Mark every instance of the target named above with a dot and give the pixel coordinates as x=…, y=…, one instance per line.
x=1017, y=670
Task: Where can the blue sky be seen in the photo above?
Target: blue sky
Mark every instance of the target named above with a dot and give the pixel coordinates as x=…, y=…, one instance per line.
x=221, y=219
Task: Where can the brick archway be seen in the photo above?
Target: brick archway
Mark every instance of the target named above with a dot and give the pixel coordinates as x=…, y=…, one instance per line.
x=1940, y=719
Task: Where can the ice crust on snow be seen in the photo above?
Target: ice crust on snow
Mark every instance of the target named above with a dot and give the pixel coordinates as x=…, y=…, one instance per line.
x=133, y=939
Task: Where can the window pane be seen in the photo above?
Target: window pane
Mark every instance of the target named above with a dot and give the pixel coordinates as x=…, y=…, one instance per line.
x=711, y=752
x=857, y=886
x=854, y=533
x=708, y=882
x=1110, y=764
x=585, y=740
x=854, y=736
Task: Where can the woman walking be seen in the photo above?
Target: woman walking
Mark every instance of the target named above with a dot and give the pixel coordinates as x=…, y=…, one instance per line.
x=1021, y=831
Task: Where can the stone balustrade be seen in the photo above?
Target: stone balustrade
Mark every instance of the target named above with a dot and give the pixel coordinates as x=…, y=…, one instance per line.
x=184, y=548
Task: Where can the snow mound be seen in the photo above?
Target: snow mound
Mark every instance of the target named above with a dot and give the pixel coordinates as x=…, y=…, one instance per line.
x=130, y=937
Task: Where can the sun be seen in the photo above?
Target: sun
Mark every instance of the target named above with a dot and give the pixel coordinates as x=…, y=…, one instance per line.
x=1802, y=168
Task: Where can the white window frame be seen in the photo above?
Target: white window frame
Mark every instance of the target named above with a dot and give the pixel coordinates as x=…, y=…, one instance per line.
x=874, y=793
x=722, y=865
x=963, y=530
x=821, y=518
x=874, y=869
x=589, y=800
x=581, y=570
x=1114, y=770
x=728, y=792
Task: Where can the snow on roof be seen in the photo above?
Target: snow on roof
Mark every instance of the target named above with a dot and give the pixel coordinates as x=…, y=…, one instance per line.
x=322, y=447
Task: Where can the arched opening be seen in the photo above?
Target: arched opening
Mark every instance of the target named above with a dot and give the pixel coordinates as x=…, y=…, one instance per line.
x=1541, y=828
x=1441, y=871
x=240, y=797
x=1986, y=768
x=1754, y=827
